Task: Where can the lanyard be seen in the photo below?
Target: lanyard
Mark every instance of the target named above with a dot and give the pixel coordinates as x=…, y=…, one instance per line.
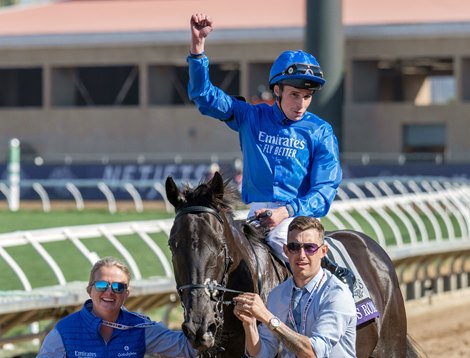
x=307, y=306
x=124, y=327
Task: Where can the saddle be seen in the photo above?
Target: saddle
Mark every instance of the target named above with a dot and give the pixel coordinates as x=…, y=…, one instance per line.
x=344, y=274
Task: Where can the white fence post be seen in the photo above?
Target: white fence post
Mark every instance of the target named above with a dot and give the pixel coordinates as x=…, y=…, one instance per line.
x=14, y=175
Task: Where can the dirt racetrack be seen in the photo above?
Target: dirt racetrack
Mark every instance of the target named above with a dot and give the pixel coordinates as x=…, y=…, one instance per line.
x=441, y=325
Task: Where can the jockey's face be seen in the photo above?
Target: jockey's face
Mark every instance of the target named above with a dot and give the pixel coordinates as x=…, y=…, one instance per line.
x=293, y=101
x=305, y=262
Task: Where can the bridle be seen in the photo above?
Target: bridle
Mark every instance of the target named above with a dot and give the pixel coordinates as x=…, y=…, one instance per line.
x=210, y=287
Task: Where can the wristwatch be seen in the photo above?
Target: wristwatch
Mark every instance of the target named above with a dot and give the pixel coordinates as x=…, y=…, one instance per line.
x=274, y=322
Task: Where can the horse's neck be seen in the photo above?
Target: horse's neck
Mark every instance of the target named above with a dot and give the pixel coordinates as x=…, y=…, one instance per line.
x=235, y=241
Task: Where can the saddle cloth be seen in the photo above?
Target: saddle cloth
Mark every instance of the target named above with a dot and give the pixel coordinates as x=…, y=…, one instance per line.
x=365, y=307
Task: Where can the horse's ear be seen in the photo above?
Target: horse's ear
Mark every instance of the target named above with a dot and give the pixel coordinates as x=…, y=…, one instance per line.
x=172, y=192
x=217, y=184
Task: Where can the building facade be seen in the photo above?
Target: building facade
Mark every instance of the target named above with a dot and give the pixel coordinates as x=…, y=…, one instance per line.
x=121, y=95
x=408, y=91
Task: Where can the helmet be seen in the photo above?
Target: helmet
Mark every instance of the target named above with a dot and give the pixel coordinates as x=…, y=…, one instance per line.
x=297, y=69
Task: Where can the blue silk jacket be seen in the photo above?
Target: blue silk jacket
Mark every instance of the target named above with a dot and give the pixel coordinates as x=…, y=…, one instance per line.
x=293, y=162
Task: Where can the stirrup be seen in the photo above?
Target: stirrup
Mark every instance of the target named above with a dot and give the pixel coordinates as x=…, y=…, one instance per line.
x=344, y=274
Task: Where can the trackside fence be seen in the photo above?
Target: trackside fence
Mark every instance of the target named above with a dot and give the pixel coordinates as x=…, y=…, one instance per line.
x=423, y=224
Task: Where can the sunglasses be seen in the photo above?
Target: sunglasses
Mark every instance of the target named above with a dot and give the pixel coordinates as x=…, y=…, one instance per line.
x=117, y=287
x=309, y=248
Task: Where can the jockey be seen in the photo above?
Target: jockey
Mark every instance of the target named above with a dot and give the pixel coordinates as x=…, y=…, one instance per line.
x=291, y=163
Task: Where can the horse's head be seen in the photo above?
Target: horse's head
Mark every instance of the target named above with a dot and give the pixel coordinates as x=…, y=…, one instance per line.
x=201, y=261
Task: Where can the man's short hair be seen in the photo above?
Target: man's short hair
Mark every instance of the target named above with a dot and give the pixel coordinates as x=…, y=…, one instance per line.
x=303, y=223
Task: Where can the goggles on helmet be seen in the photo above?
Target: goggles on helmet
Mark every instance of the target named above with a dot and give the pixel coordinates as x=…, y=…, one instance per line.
x=303, y=69
x=306, y=72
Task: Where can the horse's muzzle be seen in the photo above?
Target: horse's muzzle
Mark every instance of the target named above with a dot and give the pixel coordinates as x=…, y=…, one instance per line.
x=200, y=337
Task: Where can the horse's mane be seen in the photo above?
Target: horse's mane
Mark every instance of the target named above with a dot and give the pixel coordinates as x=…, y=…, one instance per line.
x=254, y=233
x=203, y=195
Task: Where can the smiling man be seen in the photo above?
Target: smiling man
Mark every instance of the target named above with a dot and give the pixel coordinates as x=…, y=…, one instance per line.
x=312, y=314
x=104, y=328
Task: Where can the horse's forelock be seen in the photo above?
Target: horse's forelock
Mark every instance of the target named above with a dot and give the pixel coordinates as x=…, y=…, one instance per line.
x=204, y=196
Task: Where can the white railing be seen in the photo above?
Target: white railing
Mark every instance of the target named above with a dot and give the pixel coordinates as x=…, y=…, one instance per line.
x=428, y=221
x=424, y=225
x=349, y=189
x=30, y=304
x=377, y=209
x=77, y=234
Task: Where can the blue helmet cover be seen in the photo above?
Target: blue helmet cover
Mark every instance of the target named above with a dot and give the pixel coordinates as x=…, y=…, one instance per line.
x=296, y=65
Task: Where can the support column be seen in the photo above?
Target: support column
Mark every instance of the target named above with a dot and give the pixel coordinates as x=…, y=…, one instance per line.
x=325, y=40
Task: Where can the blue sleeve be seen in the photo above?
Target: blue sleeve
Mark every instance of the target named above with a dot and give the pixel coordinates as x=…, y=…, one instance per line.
x=210, y=100
x=325, y=177
x=52, y=346
x=161, y=340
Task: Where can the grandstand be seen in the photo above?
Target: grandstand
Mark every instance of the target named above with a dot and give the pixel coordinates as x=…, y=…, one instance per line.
x=405, y=78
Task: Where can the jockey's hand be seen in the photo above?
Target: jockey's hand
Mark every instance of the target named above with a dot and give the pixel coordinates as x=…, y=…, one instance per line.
x=273, y=220
x=201, y=26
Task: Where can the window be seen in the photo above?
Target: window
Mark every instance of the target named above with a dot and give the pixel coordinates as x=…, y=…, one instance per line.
x=422, y=81
x=424, y=138
x=259, y=83
x=21, y=87
x=168, y=84
x=95, y=86
x=442, y=89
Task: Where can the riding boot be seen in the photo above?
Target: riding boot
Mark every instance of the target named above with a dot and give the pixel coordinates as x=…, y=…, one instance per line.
x=344, y=274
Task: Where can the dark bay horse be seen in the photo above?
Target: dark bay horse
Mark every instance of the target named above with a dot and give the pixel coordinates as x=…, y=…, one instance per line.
x=213, y=261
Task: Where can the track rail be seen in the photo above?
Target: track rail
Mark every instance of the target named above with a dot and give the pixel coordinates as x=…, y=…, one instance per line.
x=423, y=225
